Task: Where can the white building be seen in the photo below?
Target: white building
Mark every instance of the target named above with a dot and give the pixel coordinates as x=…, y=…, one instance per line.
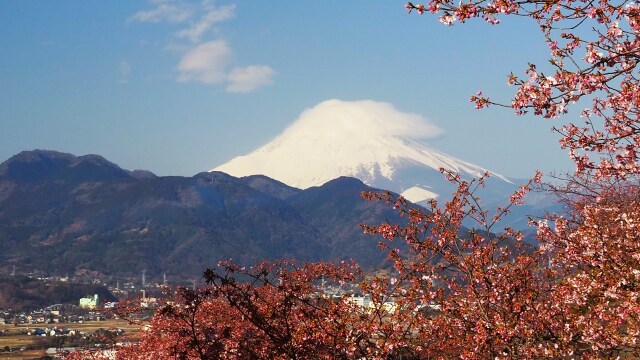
x=89, y=302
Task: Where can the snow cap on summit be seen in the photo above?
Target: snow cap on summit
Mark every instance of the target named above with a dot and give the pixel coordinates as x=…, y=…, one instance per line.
x=366, y=139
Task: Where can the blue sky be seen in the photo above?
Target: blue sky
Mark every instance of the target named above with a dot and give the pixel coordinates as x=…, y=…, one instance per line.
x=180, y=87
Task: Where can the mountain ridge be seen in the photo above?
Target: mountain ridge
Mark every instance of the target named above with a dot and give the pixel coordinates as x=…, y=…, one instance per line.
x=64, y=221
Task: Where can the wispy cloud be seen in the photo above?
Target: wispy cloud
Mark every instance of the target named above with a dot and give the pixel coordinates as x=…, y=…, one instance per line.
x=212, y=15
x=124, y=69
x=205, y=63
x=247, y=79
x=203, y=60
x=164, y=10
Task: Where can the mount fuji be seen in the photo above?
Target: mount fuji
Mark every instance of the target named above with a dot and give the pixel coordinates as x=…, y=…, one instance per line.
x=368, y=140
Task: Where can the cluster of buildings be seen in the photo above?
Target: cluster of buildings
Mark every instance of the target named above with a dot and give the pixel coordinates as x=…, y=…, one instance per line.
x=367, y=304
x=54, y=314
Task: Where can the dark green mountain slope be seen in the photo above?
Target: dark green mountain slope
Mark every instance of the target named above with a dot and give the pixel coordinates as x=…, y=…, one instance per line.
x=63, y=214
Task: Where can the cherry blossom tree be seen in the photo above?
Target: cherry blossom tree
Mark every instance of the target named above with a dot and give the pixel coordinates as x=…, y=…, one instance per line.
x=592, y=250
x=576, y=295
x=594, y=47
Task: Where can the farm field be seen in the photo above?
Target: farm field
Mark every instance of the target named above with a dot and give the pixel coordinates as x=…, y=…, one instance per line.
x=15, y=336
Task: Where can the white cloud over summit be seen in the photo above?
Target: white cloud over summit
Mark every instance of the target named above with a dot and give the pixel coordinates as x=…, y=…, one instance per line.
x=206, y=62
x=363, y=118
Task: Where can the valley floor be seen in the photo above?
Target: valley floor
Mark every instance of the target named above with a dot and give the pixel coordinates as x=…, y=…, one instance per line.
x=16, y=344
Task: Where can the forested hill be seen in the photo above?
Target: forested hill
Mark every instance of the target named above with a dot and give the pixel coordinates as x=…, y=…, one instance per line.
x=21, y=293
x=64, y=214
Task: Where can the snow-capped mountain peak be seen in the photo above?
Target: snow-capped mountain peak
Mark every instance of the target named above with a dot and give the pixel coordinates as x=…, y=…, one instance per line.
x=368, y=140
